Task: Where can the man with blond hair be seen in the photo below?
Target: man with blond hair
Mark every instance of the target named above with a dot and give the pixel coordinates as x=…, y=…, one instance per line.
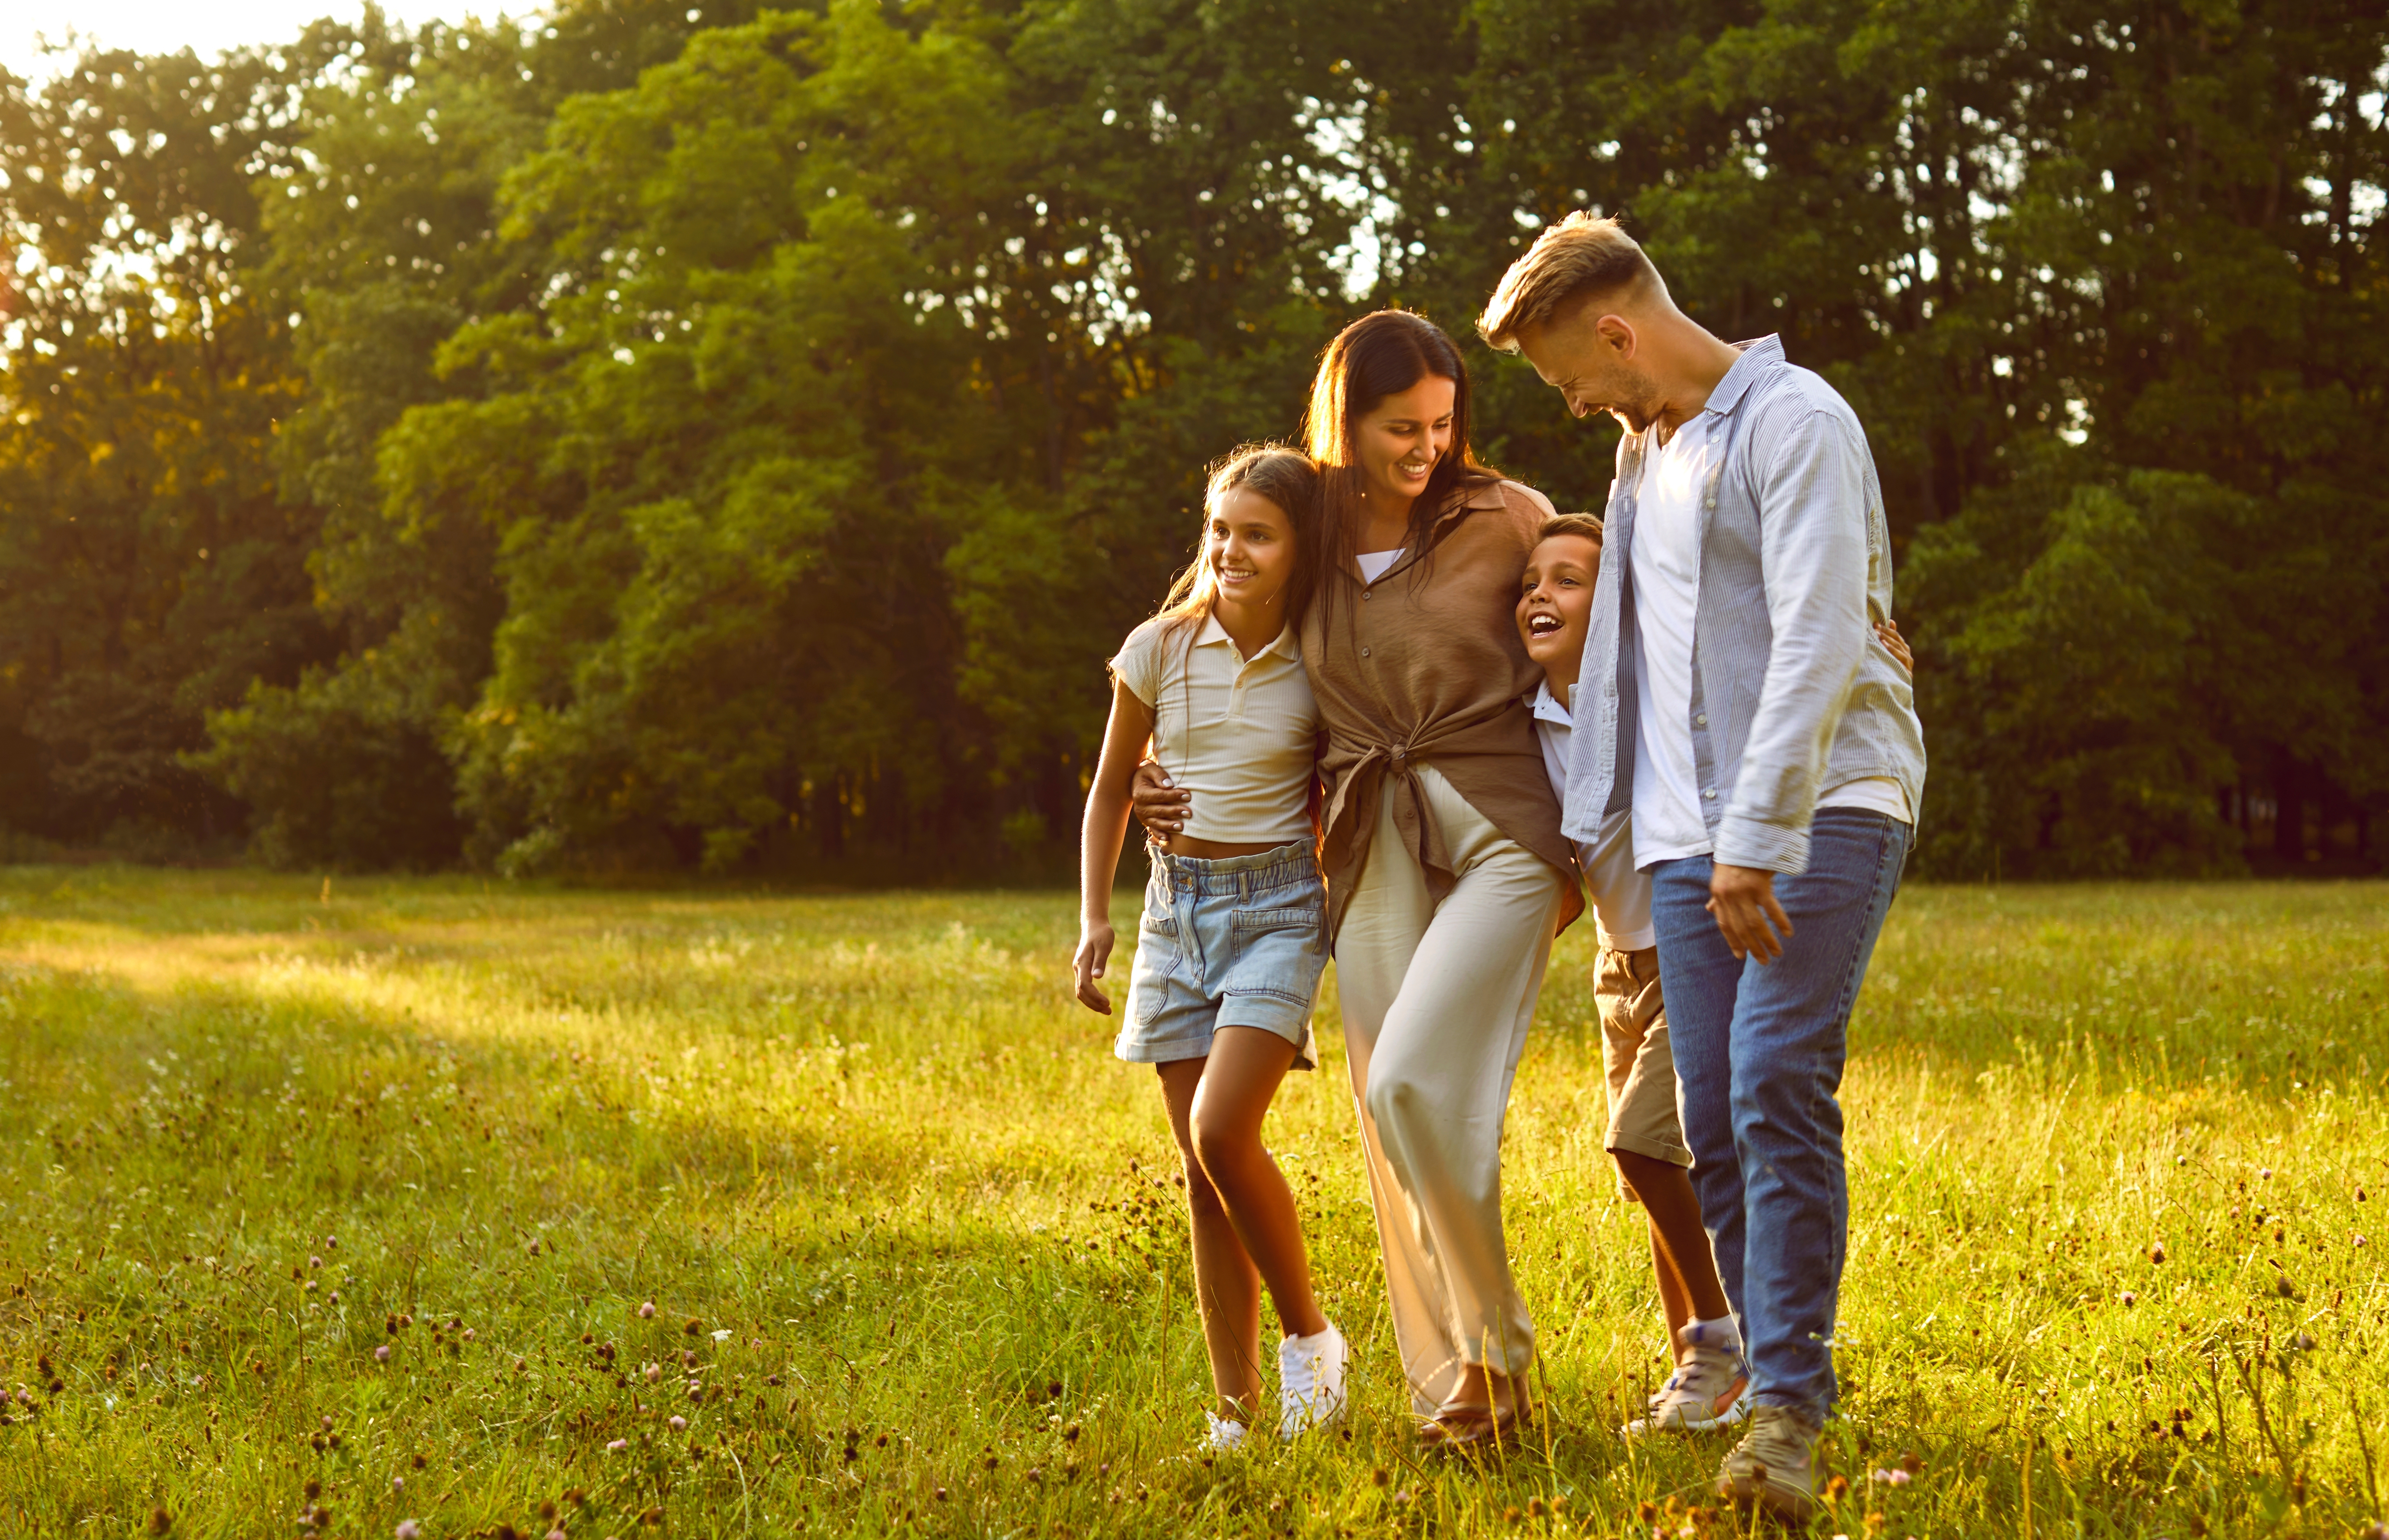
x=1736, y=701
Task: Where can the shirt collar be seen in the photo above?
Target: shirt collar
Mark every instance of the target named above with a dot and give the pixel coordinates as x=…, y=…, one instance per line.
x=1284, y=645
x=1548, y=707
x=1756, y=356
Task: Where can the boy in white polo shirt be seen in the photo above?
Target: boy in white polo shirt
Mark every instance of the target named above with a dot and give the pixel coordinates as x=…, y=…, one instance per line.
x=1709, y=1388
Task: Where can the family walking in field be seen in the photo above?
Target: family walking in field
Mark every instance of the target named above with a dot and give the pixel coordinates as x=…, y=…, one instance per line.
x=1402, y=713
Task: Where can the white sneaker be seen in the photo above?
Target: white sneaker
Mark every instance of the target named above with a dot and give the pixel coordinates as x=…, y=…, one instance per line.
x=1221, y=1436
x=1311, y=1379
x=1709, y=1391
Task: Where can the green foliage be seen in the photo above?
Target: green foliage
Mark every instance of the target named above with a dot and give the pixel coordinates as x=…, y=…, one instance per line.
x=2114, y=1158
x=734, y=440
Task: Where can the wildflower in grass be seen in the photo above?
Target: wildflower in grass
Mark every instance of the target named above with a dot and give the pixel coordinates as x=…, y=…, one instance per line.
x=648, y=1311
x=160, y=1520
x=409, y=1530
x=723, y=1335
x=381, y=1353
x=693, y=1326
x=678, y=1424
x=618, y=1446
x=2130, y=1298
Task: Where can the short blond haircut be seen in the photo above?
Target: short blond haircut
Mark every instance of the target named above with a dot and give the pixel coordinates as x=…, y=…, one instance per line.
x=1583, y=525
x=1582, y=254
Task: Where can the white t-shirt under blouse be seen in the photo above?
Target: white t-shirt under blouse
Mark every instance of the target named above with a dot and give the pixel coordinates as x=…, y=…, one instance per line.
x=1666, y=563
x=1241, y=733
x=1374, y=565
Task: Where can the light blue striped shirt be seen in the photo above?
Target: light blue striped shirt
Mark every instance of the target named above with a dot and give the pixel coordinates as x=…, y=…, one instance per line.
x=1793, y=695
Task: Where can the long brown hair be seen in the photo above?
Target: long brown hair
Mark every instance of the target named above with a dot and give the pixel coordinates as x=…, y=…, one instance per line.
x=1285, y=477
x=1382, y=355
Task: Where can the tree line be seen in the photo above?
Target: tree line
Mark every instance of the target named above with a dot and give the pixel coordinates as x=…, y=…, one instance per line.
x=702, y=436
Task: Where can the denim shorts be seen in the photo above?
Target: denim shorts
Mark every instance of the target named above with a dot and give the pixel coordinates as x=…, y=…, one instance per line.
x=1238, y=942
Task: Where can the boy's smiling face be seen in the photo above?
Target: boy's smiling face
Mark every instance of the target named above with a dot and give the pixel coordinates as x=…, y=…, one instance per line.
x=1555, y=603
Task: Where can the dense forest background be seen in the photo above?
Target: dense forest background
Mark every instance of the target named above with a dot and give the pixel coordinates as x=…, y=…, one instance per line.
x=662, y=436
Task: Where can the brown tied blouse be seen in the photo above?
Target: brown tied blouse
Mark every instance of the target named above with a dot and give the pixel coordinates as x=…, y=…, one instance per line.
x=1426, y=668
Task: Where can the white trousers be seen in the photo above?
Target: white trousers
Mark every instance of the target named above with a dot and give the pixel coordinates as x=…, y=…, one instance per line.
x=1436, y=998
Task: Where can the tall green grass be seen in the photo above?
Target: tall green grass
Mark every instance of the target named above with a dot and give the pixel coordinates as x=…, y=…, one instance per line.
x=918, y=1261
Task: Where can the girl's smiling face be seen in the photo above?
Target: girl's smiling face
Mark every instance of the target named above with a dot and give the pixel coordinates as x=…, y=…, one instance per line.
x=1248, y=545
x=1398, y=442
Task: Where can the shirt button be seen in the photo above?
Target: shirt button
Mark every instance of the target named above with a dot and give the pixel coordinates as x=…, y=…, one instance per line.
x=1364, y=595
x=1703, y=719
x=1364, y=651
x=1710, y=795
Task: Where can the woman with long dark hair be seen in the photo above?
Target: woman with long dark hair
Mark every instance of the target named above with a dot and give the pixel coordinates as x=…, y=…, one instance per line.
x=1446, y=869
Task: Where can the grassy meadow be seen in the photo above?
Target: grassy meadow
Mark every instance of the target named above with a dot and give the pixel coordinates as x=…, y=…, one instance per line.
x=325, y=1208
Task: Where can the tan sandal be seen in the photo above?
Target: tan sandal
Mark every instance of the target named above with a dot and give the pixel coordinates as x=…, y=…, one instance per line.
x=1472, y=1425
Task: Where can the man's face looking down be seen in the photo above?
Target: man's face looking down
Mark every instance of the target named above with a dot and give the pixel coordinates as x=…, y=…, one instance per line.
x=1592, y=353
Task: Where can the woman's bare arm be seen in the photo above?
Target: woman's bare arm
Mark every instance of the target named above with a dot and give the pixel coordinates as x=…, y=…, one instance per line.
x=1125, y=737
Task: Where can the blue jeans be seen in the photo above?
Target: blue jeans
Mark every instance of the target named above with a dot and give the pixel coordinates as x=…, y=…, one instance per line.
x=1758, y=1058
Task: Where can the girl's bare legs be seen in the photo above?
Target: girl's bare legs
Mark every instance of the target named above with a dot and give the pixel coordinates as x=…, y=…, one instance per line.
x=1241, y=1210
x=1239, y=1081
x=1227, y=1287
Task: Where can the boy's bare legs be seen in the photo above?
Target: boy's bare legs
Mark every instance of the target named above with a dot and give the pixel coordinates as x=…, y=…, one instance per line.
x=1246, y=1230
x=1227, y=1286
x=1689, y=1289
x=1239, y=1081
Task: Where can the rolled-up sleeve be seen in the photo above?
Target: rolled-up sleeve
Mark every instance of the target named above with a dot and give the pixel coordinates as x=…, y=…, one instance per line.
x=1812, y=483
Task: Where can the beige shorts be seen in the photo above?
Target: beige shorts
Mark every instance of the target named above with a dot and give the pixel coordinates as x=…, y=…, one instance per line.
x=1635, y=1056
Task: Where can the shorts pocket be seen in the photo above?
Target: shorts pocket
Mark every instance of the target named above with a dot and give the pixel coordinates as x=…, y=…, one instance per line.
x=1279, y=953
x=1157, y=959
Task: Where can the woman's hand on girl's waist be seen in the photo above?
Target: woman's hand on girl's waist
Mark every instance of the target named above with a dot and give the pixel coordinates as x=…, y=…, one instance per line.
x=1162, y=805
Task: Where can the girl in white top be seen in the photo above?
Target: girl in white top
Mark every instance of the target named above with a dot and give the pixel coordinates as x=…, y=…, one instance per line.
x=1233, y=938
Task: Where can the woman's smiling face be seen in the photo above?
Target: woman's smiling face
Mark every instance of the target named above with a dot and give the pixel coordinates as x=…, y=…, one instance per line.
x=1398, y=441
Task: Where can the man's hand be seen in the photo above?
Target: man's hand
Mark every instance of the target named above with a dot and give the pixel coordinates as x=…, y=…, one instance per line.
x=1742, y=899
x=1094, y=950
x=1161, y=803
